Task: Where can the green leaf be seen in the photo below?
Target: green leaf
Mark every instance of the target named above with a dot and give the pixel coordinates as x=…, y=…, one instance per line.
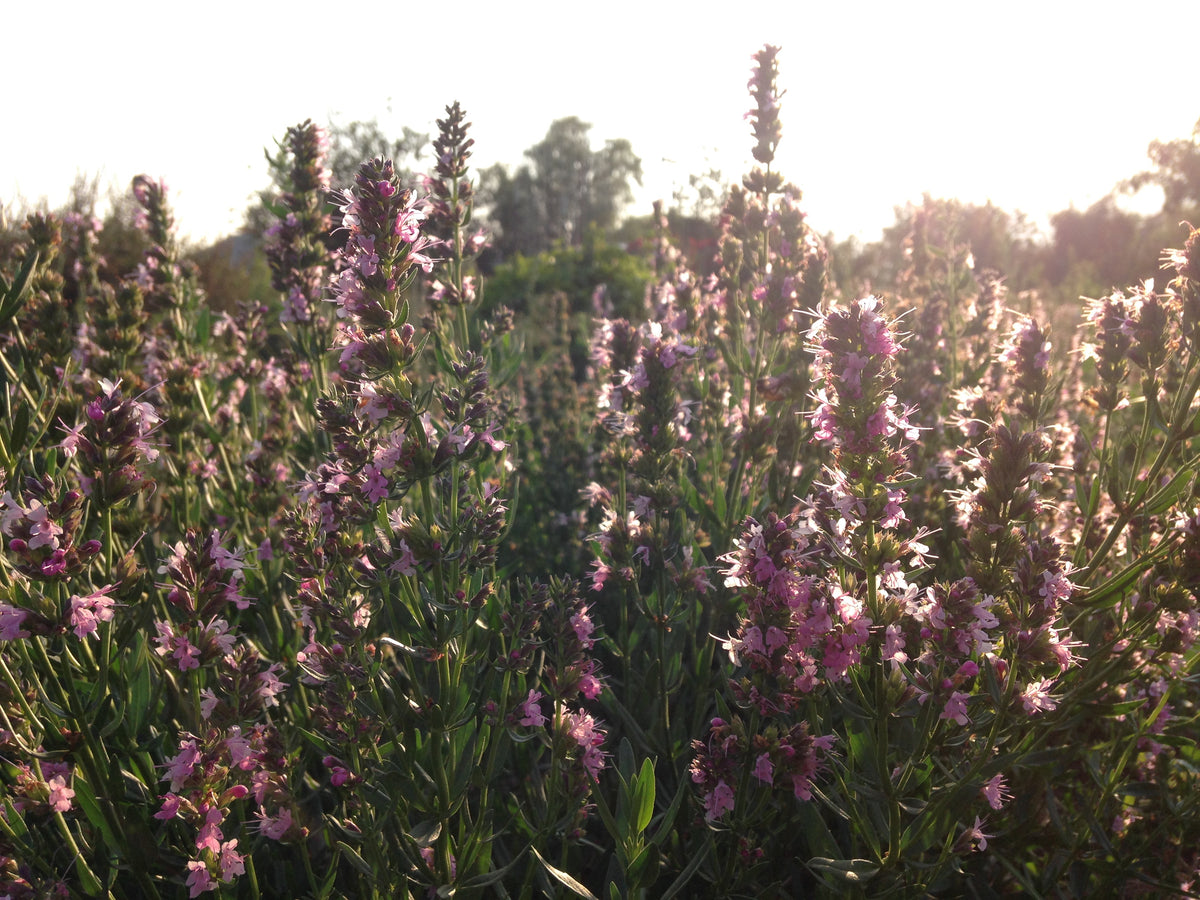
x=11, y=300
x=87, y=878
x=12, y=822
x=85, y=798
x=355, y=860
x=118, y=715
x=139, y=691
x=643, y=795
x=563, y=878
x=315, y=739
x=854, y=871
x=643, y=871
x=668, y=818
x=425, y=833
x=487, y=879
x=685, y=876
x=20, y=429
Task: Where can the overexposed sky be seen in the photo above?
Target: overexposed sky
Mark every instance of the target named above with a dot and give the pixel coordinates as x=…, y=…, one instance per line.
x=1035, y=106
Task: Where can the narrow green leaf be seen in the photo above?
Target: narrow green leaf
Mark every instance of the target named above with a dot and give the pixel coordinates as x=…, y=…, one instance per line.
x=11, y=301
x=12, y=822
x=643, y=871
x=425, y=833
x=85, y=797
x=563, y=878
x=118, y=716
x=20, y=428
x=355, y=860
x=87, y=878
x=487, y=879
x=689, y=871
x=854, y=871
x=643, y=795
x=668, y=818
x=139, y=692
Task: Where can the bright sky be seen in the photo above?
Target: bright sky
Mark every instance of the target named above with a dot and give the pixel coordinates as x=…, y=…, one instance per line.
x=1034, y=105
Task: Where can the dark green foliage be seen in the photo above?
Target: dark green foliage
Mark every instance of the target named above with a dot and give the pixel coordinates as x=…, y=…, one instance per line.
x=577, y=272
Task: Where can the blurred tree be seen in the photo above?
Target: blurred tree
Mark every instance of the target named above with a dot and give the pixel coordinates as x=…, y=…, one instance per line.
x=353, y=144
x=1102, y=238
x=1175, y=169
x=564, y=188
x=233, y=270
x=1004, y=241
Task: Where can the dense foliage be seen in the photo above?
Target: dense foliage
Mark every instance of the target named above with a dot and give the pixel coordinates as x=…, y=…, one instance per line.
x=374, y=588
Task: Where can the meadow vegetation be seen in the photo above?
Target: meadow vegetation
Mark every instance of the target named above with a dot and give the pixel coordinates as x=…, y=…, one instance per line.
x=683, y=557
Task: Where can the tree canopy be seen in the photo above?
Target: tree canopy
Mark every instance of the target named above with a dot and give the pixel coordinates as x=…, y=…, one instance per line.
x=564, y=188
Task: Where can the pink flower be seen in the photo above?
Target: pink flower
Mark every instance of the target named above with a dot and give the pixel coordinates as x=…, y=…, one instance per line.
x=88, y=612
x=60, y=794
x=231, y=861
x=763, y=770
x=589, y=685
x=169, y=808
x=531, y=712
x=180, y=767
x=995, y=791
x=583, y=628
x=406, y=562
x=11, y=618
x=956, y=708
x=209, y=836
x=582, y=728
x=408, y=225
x=893, y=647
x=973, y=838
x=240, y=751
x=338, y=774
x=275, y=827
x=208, y=702
x=718, y=802
x=1035, y=699
x=186, y=653
x=199, y=880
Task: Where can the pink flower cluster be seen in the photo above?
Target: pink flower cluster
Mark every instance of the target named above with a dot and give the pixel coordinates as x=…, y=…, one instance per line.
x=112, y=445
x=204, y=578
x=43, y=526
x=778, y=758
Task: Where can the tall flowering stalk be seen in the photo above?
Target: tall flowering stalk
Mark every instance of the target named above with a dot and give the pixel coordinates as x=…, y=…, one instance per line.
x=295, y=244
x=420, y=687
x=450, y=209
x=698, y=407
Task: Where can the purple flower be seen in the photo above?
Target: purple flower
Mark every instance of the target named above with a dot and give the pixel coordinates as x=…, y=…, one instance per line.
x=956, y=708
x=11, y=618
x=582, y=728
x=180, y=766
x=531, y=712
x=995, y=791
x=718, y=802
x=764, y=771
x=1035, y=698
x=276, y=826
x=89, y=611
x=199, y=880
x=60, y=794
